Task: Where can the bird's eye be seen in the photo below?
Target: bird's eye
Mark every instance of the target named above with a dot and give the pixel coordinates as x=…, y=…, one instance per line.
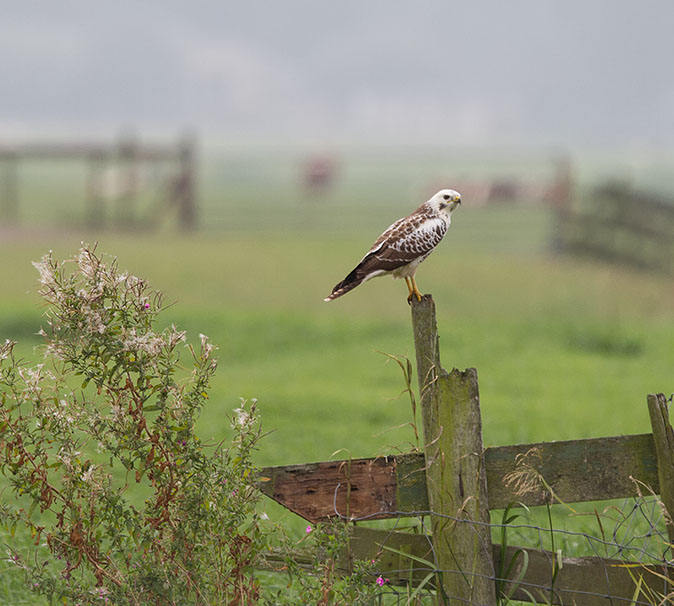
x=445, y=197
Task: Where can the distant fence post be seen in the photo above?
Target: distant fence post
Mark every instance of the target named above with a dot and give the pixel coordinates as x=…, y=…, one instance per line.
x=9, y=197
x=455, y=471
x=186, y=183
x=129, y=175
x=95, y=211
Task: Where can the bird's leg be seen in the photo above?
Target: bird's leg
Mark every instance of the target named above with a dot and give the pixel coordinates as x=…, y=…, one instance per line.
x=414, y=291
x=409, y=287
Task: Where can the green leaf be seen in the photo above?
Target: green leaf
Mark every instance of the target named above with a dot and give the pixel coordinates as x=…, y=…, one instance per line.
x=421, y=585
x=408, y=555
x=518, y=581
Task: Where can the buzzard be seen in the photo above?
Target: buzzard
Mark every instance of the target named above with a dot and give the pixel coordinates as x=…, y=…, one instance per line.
x=400, y=249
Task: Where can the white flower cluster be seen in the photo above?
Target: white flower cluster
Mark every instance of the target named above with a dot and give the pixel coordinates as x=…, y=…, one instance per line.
x=88, y=474
x=241, y=417
x=6, y=349
x=175, y=336
x=88, y=263
x=68, y=458
x=45, y=269
x=148, y=342
x=92, y=319
x=244, y=418
x=62, y=412
x=206, y=346
x=32, y=378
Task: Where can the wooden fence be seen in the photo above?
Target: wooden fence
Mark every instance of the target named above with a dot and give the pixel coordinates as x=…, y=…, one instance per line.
x=456, y=482
x=114, y=178
x=620, y=224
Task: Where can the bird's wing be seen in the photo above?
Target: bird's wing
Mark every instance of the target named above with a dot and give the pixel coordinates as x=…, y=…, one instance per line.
x=405, y=241
x=403, y=225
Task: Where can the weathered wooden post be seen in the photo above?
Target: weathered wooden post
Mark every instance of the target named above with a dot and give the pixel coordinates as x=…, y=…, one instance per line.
x=663, y=436
x=455, y=470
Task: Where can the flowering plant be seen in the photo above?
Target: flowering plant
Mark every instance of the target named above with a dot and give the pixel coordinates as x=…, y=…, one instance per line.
x=123, y=502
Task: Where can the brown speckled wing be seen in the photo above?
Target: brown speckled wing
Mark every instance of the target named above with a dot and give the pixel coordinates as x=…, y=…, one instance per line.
x=401, y=228
x=405, y=241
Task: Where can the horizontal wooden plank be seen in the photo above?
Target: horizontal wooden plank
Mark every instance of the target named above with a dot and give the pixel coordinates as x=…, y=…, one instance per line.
x=585, y=581
x=356, y=488
x=594, y=469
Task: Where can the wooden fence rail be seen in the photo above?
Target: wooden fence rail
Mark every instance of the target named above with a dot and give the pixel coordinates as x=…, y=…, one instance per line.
x=576, y=471
x=456, y=482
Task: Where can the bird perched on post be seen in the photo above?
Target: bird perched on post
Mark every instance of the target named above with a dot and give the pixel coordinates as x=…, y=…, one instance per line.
x=403, y=246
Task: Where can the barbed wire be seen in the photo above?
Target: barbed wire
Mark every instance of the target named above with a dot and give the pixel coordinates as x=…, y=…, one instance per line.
x=632, y=532
x=419, y=513
x=545, y=589
x=401, y=597
x=557, y=593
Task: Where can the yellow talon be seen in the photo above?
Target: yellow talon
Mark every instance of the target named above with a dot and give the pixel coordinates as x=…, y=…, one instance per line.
x=414, y=291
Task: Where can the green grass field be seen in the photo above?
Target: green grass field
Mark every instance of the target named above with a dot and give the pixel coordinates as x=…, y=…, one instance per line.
x=564, y=348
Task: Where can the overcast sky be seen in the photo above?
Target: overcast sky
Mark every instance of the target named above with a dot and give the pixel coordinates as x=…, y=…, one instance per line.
x=577, y=74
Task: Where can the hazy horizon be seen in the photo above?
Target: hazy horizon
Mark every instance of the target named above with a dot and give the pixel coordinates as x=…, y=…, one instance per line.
x=433, y=73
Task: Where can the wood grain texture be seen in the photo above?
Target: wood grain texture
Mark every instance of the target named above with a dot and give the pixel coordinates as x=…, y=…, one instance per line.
x=427, y=344
x=357, y=488
x=456, y=482
x=577, y=471
x=585, y=581
x=663, y=436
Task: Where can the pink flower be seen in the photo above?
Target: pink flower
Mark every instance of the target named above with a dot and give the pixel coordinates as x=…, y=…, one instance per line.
x=381, y=581
x=308, y=529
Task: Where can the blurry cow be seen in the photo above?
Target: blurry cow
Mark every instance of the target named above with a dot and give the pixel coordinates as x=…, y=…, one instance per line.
x=555, y=193
x=319, y=173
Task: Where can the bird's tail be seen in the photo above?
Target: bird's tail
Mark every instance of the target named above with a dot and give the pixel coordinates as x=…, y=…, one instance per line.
x=346, y=285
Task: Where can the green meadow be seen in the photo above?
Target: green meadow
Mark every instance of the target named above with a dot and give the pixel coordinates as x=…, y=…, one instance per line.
x=564, y=348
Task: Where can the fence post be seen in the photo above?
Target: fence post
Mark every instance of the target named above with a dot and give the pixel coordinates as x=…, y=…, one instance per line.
x=9, y=197
x=95, y=212
x=186, y=183
x=129, y=175
x=455, y=471
x=663, y=436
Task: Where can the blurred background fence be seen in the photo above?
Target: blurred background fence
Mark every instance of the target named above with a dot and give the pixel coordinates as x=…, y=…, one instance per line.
x=126, y=183
x=620, y=224
x=542, y=201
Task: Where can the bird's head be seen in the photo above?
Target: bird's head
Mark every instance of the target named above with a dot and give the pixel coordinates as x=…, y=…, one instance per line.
x=446, y=201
